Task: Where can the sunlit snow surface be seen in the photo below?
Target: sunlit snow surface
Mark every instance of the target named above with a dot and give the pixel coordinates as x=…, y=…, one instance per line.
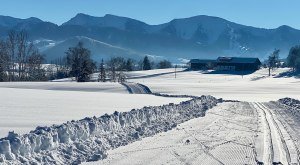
x=218, y=138
x=47, y=103
x=257, y=86
x=227, y=134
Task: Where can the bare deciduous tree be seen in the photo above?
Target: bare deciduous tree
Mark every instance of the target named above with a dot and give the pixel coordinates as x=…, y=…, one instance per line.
x=11, y=43
x=24, y=49
x=4, y=61
x=273, y=59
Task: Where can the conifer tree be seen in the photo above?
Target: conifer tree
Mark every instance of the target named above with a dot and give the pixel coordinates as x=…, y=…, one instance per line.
x=102, y=74
x=146, y=63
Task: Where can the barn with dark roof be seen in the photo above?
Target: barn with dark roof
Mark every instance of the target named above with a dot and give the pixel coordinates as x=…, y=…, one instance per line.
x=238, y=63
x=226, y=63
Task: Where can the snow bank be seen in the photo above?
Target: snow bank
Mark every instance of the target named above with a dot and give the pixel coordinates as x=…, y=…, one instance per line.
x=293, y=103
x=89, y=139
x=189, y=96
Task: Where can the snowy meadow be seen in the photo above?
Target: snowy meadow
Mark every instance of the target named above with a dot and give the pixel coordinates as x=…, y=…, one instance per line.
x=25, y=106
x=192, y=131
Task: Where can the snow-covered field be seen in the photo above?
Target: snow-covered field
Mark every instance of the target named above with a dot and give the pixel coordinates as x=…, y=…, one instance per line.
x=231, y=133
x=152, y=73
x=248, y=132
x=24, y=109
x=253, y=87
x=68, y=86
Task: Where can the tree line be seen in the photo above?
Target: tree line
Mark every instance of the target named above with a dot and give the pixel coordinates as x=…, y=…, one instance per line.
x=292, y=60
x=78, y=64
x=20, y=60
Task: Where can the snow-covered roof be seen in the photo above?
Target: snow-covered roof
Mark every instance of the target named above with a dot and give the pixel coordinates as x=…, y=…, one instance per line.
x=201, y=61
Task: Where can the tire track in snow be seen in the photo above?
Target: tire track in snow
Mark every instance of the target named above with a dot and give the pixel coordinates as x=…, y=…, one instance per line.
x=275, y=150
x=204, y=148
x=226, y=145
x=180, y=158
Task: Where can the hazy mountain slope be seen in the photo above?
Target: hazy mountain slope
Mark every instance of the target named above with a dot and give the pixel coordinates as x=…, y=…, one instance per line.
x=195, y=37
x=98, y=49
x=9, y=22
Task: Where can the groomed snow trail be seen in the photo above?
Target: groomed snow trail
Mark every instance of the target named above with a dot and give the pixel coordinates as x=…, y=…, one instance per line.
x=288, y=112
x=226, y=135
x=274, y=138
x=136, y=88
x=230, y=133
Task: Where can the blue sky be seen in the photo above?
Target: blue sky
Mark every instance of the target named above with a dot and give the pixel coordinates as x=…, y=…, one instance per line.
x=259, y=13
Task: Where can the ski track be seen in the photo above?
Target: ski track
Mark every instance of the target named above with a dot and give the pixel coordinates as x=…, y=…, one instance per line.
x=231, y=133
x=286, y=119
x=277, y=144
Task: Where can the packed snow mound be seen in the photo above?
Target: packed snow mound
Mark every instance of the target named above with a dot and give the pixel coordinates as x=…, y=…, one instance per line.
x=290, y=102
x=89, y=139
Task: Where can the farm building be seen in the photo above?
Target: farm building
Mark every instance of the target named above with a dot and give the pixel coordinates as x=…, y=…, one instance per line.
x=200, y=64
x=226, y=63
x=237, y=63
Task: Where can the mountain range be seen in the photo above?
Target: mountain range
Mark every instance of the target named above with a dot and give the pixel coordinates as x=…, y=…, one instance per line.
x=178, y=40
